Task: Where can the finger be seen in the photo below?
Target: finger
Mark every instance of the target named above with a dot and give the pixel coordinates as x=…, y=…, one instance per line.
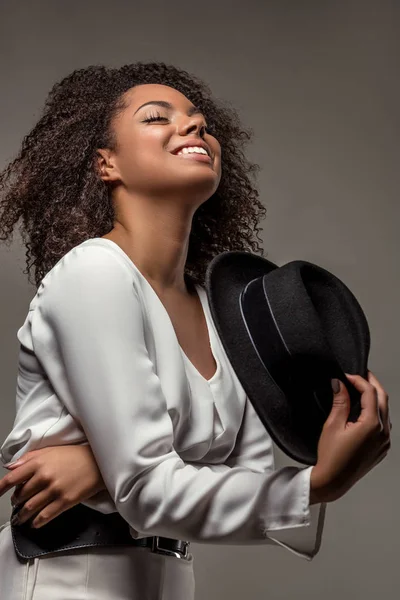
x=383, y=402
x=369, y=398
x=18, y=475
x=20, y=461
x=28, y=456
x=15, y=495
x=34, y=505
x=50, y=512
x=375, y=382
x=31, y=487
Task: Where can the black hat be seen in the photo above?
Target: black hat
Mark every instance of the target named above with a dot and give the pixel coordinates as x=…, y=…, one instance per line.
x=287, y=332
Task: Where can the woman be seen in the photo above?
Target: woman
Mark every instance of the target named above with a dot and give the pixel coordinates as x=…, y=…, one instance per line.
x=132, y=180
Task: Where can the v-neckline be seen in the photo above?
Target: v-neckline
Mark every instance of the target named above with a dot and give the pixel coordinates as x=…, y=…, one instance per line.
x=200, y=291
x=211, y=338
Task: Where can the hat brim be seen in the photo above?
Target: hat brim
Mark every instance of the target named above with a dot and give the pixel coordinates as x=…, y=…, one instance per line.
x=277, y=414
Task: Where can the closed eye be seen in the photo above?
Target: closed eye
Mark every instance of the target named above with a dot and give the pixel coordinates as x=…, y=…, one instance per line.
x=154, y=118
x=158, y=117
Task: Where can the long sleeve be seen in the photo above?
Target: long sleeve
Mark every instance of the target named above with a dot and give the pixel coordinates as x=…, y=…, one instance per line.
x=88, y=333
x=254, y=450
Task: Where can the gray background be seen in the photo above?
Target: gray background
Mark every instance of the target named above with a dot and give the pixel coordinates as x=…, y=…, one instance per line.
x=318, y=83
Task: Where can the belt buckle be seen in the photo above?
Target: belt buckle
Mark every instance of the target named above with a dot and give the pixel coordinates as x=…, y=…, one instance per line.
x=155, y=547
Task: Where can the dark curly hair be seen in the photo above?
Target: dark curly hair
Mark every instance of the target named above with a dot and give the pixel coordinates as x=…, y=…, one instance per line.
x=54, y=186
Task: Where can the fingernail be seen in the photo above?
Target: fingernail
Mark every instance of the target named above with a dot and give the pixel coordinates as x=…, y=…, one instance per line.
x=335, y=385
x=14, y=520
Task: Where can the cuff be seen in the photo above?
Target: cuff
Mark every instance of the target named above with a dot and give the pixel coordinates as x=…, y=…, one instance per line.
x=102, y=502
x=300, y=529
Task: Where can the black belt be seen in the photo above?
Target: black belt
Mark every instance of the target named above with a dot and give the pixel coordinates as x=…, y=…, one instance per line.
x=80, y=527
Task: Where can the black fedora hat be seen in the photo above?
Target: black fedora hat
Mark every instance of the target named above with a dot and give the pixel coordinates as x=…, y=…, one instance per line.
x=287, y=332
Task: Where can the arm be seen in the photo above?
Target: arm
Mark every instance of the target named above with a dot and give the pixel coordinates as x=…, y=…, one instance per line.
x=42, y=423
x=83, y=479
x=254, y=450
x=100, y=500
x=87, y=331
x=53, y=479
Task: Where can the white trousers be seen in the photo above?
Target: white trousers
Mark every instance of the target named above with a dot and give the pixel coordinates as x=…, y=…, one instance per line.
x=103, y=573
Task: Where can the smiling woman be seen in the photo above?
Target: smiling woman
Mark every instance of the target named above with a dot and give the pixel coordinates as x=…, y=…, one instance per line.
x=131, y=182
x=59, y=198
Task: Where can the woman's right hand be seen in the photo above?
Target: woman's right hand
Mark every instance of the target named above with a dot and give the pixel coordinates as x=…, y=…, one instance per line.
x=51, y=480
x=349, y=450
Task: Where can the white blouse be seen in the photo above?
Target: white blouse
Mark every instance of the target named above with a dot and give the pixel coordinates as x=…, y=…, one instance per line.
x=181, y=456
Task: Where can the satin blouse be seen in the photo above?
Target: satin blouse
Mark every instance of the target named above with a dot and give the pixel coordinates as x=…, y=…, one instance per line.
x=181, y=456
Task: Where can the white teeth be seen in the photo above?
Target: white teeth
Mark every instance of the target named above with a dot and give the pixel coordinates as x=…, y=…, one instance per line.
x=191, y=149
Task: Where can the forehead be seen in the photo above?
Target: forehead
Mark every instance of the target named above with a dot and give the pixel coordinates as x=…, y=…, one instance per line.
x=155, y=91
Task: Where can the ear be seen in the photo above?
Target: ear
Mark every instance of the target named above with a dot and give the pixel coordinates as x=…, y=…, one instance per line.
x=106, y=163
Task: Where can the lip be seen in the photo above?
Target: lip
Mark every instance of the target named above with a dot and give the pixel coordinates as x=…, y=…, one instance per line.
x=195, y=156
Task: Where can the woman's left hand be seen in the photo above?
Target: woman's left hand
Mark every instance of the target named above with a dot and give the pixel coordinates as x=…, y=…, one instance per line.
x=51, y=480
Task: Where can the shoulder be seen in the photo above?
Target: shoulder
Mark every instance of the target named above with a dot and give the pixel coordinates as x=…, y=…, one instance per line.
x=90, y=269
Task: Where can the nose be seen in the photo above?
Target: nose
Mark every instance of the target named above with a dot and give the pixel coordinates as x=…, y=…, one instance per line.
x=193, y=123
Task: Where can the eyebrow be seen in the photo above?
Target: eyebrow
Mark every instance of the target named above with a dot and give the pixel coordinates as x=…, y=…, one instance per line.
x=193, y=110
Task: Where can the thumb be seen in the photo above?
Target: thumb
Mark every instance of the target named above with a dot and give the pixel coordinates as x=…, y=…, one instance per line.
x=340, y=403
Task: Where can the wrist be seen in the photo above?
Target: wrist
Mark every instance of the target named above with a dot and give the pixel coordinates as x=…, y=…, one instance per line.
x=318, y=488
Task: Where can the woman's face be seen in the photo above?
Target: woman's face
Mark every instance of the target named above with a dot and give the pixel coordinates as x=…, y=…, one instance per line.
x=145, y=160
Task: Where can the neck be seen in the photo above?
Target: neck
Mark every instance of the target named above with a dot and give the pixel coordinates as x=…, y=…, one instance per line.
x=155, y=235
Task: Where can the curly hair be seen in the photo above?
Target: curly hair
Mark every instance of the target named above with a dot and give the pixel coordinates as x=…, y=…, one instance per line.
x=53, y=184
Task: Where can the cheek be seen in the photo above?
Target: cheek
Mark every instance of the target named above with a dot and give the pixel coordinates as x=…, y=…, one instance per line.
x=142, y=152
